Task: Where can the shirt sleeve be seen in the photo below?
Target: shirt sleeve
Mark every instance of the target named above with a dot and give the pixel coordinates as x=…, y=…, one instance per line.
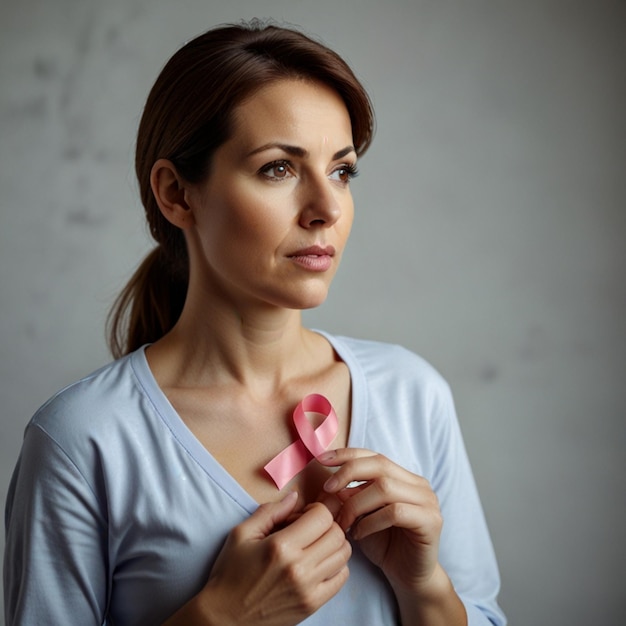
x=466, y=551
x=55, y=563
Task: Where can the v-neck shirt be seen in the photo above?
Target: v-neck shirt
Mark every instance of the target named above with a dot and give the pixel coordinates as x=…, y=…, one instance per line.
x=116, y=512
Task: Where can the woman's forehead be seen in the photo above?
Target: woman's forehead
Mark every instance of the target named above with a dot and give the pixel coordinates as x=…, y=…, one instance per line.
x=292, y=110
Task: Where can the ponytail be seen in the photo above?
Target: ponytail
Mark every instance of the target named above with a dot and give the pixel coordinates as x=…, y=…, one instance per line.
x=149, y=305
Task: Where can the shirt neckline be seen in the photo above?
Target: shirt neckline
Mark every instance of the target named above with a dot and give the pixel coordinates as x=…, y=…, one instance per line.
x=205, y=459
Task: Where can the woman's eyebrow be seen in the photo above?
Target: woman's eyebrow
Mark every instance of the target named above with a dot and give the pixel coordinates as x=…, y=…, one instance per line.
x=297, y=151
x=345, y=152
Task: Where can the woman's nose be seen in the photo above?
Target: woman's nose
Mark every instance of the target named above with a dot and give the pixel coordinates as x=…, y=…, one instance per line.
x=321, y=205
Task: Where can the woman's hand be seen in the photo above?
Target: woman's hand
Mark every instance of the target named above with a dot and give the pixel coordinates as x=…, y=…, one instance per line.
x=394, y=515
x=271, y=575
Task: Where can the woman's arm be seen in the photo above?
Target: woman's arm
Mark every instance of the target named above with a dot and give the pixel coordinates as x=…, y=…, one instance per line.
x=395, y=517
x=55, y=561
x=435, y=604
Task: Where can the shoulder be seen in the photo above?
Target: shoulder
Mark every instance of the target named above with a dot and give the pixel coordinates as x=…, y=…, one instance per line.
x=388, y=363
x=91, y=406
x=403, y=406
x=394, y=381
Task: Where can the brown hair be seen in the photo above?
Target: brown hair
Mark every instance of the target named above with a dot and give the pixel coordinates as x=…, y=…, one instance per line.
x=187, y=116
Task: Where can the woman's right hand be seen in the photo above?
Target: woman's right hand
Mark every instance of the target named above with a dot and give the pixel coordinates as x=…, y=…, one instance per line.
x=273, y=575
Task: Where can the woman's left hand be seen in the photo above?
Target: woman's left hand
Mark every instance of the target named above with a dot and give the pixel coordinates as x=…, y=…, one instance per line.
x=394, y=515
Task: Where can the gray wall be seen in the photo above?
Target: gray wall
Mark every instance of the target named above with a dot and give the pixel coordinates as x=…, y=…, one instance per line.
x=489, y=237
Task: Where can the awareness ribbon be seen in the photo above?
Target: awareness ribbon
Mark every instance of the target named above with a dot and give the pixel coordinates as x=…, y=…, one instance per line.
x=312, y=442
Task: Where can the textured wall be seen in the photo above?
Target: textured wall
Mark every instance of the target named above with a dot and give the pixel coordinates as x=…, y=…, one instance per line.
x=489, y=237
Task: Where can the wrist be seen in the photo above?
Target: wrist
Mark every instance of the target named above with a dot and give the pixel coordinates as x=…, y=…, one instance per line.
x=208, y=610
x=432, y=602
x=201, y=610
x=426, y=589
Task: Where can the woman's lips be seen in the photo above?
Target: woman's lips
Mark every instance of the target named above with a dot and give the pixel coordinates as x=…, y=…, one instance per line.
x=314, y=258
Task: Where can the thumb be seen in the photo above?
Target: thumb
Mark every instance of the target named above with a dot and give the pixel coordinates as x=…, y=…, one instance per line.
x=261, y=523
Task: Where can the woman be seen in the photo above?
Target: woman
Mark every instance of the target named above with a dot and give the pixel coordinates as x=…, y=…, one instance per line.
x=136, y=496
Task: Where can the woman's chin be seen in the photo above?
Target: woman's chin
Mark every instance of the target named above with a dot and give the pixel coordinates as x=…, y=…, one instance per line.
x=310, y=301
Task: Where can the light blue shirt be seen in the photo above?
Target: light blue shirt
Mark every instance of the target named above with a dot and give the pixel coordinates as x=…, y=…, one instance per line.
x=116, y=512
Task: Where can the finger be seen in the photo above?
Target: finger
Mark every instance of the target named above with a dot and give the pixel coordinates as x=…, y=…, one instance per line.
x=424, y=522
x=322, y=561
x=331, y=458
x=314, y=521
x=331, y=501
x=378, y=494
x=329, y=554
x=350, y=491
x=366, y=467
x=261, y=523
x=330, y=586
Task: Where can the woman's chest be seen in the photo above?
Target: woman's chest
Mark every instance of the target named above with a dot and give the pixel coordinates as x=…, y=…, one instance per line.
x=244, y=437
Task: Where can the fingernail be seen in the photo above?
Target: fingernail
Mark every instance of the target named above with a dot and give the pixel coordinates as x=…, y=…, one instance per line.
x=327, y=456
x=290, y=496
x=331, y=484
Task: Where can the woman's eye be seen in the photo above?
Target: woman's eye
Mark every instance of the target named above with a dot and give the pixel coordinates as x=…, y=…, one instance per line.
x=276, y=170
x=344, y=173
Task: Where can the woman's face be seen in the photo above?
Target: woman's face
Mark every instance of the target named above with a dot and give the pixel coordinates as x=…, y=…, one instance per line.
x=272, y=220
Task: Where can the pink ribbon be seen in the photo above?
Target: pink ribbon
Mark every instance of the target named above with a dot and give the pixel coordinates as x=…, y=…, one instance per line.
x=296, y=456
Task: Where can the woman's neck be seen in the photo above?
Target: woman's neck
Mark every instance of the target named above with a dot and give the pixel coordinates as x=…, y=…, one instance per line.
x=260, y=348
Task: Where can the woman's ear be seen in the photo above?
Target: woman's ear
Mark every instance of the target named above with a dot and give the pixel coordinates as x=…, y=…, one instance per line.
x=170, y=192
